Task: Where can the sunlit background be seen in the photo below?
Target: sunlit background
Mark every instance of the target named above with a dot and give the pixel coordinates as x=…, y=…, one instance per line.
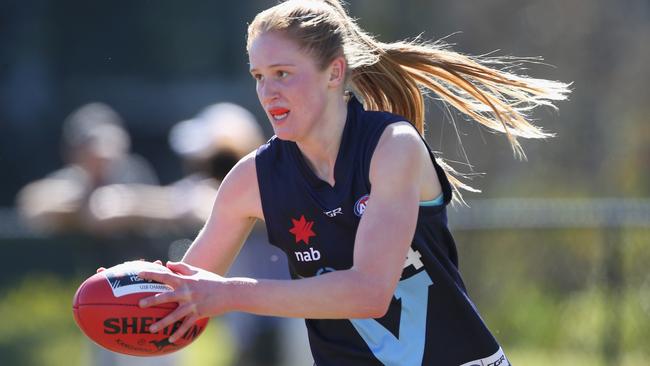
x=554, y=251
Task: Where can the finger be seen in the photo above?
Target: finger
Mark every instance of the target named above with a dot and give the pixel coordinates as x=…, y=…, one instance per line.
x=181, y=268
x=100, y=269
x=180, y=332
x=161, y=298
x=162, y=277
x=171, y=318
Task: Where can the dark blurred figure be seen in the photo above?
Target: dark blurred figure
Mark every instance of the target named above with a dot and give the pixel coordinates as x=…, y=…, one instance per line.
x=96, y=150
x=209, y=145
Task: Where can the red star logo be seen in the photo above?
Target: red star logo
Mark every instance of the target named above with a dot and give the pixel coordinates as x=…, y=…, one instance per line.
x=302, y=229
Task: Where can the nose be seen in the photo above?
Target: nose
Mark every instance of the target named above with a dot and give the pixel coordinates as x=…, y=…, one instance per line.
x=267, y=91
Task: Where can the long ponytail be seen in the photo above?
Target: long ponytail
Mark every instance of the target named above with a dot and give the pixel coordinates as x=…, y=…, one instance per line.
x=396, y=77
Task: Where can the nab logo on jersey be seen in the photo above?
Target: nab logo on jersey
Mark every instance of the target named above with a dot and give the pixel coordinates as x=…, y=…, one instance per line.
x=308, y=255
x=302, y=230
x=360, y=206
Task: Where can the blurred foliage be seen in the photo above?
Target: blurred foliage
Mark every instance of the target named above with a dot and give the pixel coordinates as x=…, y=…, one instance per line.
x=545, y=293
x=213, y=348
x=38, y=328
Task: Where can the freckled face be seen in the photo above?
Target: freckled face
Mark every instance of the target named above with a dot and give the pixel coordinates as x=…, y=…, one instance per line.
x=290, y=86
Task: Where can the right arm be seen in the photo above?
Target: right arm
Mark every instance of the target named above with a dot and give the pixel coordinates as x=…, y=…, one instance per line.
x=236, y=208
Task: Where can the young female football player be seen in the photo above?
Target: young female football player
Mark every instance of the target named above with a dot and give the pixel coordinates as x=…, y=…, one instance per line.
x=350, y=191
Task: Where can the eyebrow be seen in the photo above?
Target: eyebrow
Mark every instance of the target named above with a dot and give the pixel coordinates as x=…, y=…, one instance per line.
x=274, y=66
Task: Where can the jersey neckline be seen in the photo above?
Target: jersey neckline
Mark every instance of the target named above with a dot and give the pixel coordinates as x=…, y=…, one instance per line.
x=340, y=165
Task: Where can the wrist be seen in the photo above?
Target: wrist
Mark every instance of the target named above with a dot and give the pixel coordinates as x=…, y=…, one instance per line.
x=238, y=293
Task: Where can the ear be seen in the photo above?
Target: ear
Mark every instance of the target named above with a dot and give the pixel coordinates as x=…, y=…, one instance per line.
x=336, y=71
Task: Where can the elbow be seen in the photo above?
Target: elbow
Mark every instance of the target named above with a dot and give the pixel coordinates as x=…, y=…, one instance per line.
x=371, y=295
x=376, y=313
x=383, y=303
x=375, y=304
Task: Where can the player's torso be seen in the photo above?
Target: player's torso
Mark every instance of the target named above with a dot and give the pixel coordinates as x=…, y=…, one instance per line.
x=315, y=225
x=319, y=238
x=312, y=222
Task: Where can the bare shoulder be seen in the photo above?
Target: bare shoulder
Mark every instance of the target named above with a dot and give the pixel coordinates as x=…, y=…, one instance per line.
x=239, y=190
x=244, y=169
x=399, y=147
x=401, y=157
x=401, y=136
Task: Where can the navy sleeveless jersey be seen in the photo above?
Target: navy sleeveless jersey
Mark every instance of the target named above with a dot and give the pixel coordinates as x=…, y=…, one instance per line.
x=431, y=320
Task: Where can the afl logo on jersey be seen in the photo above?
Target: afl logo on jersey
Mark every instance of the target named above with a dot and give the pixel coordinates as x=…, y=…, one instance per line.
x=360, y=206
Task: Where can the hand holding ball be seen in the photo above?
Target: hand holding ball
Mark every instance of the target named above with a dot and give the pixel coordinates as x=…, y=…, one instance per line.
x=106, y=309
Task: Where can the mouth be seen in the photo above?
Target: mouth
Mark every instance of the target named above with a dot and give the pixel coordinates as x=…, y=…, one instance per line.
x=279, y=113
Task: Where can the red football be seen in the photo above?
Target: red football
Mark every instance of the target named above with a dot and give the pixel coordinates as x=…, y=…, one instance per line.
x=106, y=309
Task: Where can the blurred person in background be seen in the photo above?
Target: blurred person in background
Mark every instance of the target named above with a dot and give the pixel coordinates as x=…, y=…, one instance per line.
x=96, y=150
x=209, y=145
x=350, y=191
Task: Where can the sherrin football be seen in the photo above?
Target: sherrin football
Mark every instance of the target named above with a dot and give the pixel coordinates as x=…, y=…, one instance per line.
x=106, y=309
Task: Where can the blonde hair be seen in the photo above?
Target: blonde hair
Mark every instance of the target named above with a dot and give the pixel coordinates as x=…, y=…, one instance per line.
x=396, y=77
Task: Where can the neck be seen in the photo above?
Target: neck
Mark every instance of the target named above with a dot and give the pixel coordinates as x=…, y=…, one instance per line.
x=321, y=148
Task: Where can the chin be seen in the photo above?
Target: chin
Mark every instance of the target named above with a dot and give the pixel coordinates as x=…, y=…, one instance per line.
x=283, y=134
x=287, y=131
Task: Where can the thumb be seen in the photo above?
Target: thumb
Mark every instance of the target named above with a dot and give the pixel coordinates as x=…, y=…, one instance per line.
x=181, y=268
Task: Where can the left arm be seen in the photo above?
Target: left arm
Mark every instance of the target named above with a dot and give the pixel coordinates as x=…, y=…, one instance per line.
x=382, y=240
x=365, y=290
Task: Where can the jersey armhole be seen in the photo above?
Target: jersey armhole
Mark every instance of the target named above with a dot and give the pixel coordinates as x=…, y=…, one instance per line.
x=442, y=175
x=438, y=201
x=261, y=170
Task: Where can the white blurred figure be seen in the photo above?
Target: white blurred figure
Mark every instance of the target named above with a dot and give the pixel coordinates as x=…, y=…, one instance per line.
x=210, y=145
